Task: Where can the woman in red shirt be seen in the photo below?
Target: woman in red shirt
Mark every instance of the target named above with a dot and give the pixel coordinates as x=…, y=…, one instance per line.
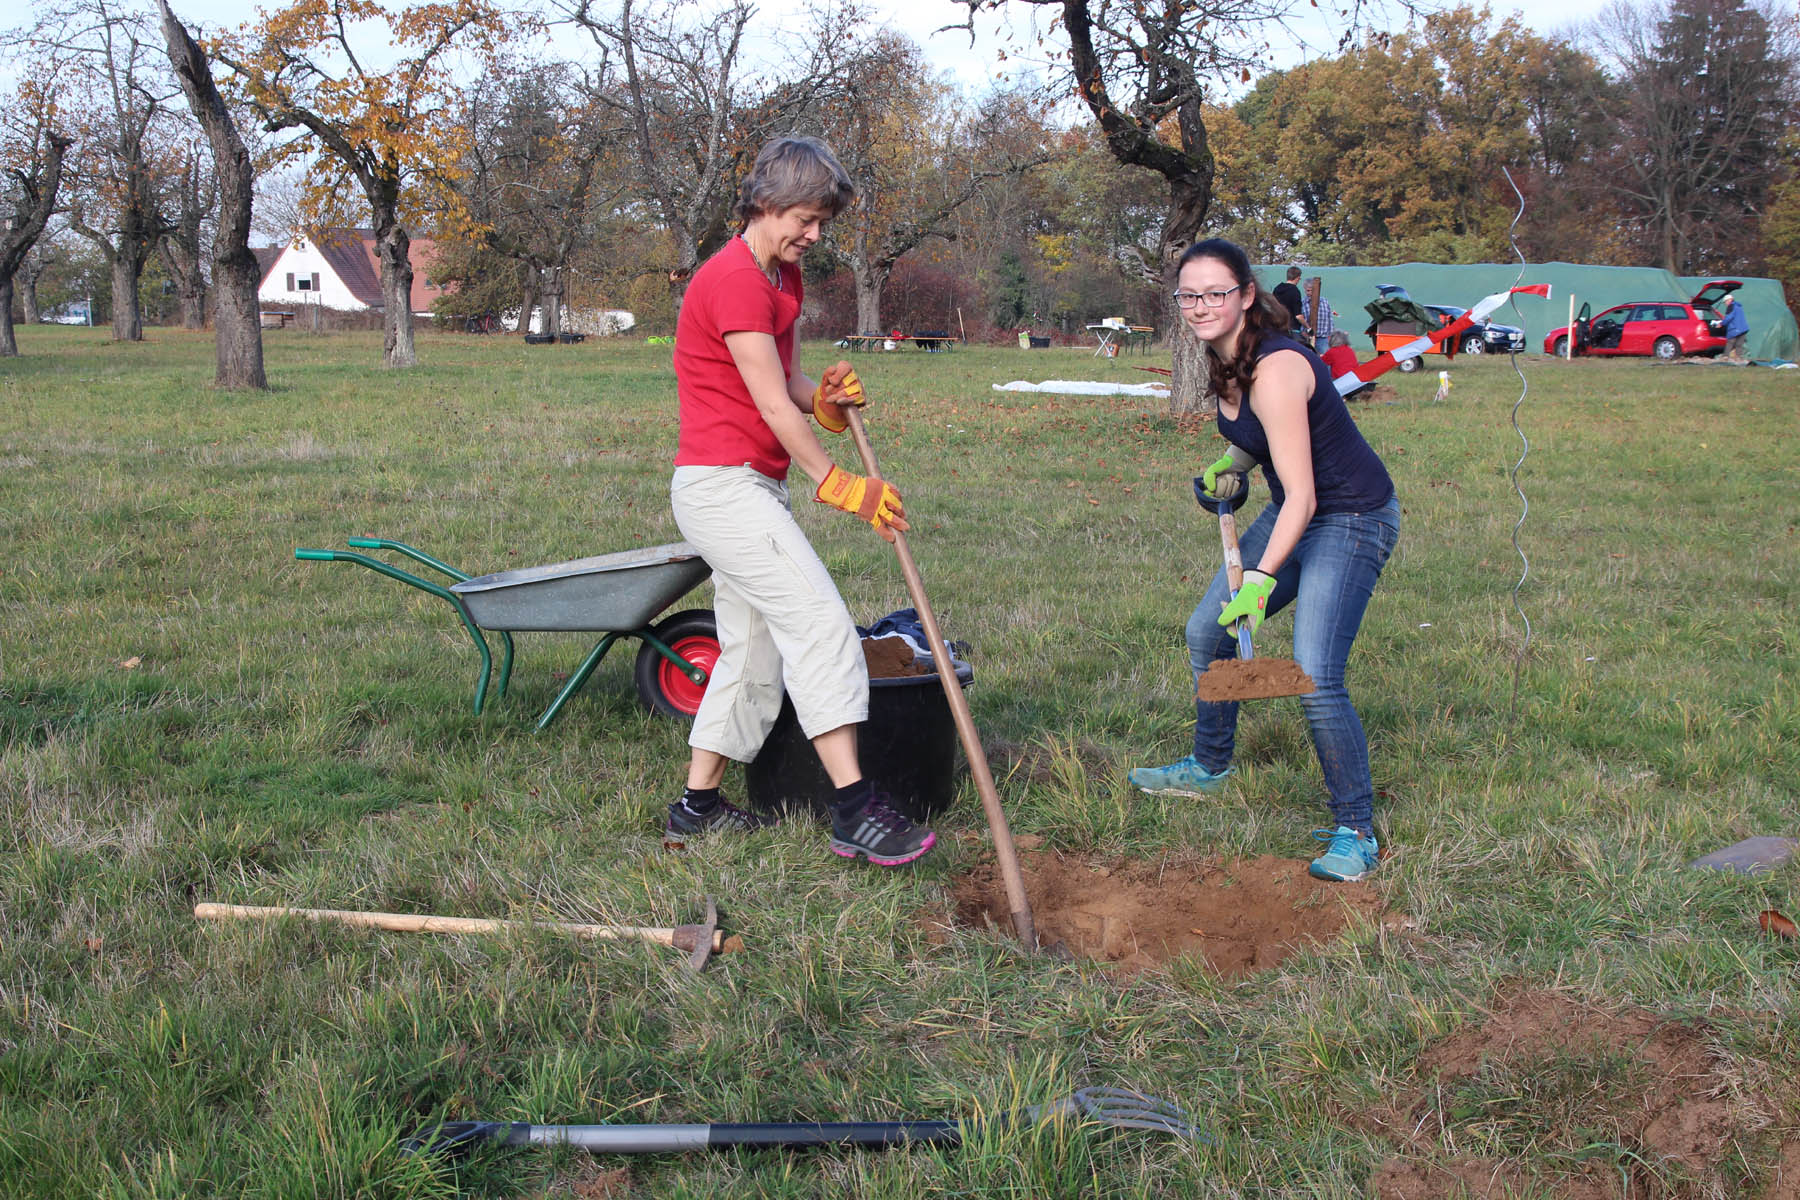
x=744, y=407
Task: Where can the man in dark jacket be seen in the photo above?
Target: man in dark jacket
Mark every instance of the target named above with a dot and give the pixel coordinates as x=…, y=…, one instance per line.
x=1288, y=293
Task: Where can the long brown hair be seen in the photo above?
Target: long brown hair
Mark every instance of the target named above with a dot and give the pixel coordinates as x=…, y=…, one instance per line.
x=1264, y=316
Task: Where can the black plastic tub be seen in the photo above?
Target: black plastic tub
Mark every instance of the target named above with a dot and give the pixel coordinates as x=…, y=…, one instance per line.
x=908, y=748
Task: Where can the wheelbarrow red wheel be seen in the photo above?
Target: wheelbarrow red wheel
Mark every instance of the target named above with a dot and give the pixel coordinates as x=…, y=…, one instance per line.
x=662, y=685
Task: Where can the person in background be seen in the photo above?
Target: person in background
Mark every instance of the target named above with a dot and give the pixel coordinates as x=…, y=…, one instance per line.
x=1736, y=327
x=1320, y=545
x=1288, y=293
x=1322, y=323
x=1338, y=357
x=744, y=404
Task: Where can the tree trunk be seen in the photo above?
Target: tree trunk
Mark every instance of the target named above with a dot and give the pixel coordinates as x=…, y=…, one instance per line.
x=237, y=321
x=392, y=246
x=127, y=313
x=20, y=229
x=9, y=345
x=551, y=298
x=193, y=307
x=28, y=305
x=870, y=280
x=527, y=300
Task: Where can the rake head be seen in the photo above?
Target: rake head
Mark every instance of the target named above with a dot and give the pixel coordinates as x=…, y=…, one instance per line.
x=1123, y=1108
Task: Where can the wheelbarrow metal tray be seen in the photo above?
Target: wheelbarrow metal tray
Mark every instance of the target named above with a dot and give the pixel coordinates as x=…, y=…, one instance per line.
x=622, y=591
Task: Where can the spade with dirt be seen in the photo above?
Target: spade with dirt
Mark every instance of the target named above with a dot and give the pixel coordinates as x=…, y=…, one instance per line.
x=1245, y=677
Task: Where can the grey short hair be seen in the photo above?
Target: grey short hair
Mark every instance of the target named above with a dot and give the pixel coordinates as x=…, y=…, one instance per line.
x=791, y=171
x=1338, y=338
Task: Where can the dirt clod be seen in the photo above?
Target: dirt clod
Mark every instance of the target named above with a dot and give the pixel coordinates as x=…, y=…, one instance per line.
x=892, y=658
x=1253, y=679
x=1240, y=917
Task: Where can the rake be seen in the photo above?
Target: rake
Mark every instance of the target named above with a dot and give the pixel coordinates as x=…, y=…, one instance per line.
x=1120, y=1108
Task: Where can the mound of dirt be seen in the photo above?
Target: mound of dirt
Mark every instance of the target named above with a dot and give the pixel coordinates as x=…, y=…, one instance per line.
x=1252, y=679
x=1643, y=1109
x=1240, y=917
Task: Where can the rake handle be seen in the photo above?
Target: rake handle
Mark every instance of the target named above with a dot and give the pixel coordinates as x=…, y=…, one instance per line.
x=1004, y=852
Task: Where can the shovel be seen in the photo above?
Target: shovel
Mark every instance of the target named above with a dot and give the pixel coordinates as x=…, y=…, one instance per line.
x=1245, y=677
x=1004, y=854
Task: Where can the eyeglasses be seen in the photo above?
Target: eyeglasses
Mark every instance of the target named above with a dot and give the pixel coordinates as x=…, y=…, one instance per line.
x=1210, y=299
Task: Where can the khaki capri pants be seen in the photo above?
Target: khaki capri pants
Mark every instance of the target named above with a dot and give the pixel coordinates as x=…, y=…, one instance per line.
x=781, y=620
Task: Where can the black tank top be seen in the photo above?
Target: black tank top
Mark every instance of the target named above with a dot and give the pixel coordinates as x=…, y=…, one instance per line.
x=1347, y=474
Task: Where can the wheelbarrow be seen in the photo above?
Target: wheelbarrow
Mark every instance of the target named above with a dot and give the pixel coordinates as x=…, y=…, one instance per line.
x=618, y=595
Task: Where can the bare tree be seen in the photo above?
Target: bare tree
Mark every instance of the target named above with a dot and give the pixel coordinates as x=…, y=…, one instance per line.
x=915, y=161
x=698, y=112
x=538, y=137
x=123, y=131
x=1143, y=71
x=32, y=150
x=1707, y=86
x=237, y=328
x=192, y=196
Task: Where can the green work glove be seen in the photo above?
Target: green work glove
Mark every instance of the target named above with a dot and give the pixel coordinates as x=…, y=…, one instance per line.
x=1252, y=599
x=1226, y=478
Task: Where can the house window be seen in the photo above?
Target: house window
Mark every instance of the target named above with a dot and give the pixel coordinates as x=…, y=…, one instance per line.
x=309, y=285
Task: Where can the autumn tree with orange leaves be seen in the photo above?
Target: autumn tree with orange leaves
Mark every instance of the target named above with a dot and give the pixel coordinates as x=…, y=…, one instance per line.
x=373, y=95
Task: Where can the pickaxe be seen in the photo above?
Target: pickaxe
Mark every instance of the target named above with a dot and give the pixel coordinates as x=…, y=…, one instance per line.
x=701, y=941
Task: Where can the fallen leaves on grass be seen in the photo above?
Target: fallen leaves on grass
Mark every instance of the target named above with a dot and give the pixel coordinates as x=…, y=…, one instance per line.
x=1773, y=922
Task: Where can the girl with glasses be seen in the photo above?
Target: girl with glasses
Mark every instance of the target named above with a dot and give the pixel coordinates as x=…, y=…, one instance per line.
x=1320, y=545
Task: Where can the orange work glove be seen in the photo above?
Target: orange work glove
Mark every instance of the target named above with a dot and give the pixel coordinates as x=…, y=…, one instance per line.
x=874, y=500
x=839, y=386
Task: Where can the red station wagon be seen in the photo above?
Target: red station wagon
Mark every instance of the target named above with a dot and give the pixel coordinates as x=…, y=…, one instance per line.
x=1667, y=329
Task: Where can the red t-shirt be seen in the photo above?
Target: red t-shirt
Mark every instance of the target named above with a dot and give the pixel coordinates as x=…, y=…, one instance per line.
x=1339, y=360
x=720, y=425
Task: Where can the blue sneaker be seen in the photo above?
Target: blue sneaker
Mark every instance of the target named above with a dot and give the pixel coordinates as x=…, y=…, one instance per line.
x=1184, y=778
x=1348, y=855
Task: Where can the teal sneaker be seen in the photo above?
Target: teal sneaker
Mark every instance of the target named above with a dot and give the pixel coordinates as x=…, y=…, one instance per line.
x=1184, y=778
x=1348, y=855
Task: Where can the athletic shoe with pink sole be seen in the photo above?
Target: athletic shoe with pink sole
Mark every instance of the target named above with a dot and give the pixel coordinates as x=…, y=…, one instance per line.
x=881, y=835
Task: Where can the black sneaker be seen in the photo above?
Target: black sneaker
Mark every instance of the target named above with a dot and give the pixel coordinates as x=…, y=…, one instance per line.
x=881, y=835
x=685, y=823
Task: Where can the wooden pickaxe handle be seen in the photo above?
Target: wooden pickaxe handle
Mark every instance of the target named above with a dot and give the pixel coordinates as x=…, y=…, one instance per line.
x=681, y=937
x=1005, y=855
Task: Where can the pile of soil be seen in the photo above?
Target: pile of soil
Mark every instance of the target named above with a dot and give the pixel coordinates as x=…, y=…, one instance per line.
x=1253, y=679
x=1652, y=1089
x=892, y=658
x=1240, y=917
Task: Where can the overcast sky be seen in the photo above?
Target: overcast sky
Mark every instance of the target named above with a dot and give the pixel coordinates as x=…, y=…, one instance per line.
x=978, y=66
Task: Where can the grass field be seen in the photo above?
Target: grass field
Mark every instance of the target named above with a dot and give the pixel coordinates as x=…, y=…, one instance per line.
x=187, y=713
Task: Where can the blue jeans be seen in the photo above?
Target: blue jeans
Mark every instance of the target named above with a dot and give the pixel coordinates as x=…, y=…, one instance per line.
x=1331, y=574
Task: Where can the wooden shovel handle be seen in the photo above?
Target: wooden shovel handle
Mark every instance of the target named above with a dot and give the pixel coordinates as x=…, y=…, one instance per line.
x=681, y=937
x=1004, y=853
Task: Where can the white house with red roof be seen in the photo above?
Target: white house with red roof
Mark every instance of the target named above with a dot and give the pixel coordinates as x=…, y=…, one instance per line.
x=341, y=271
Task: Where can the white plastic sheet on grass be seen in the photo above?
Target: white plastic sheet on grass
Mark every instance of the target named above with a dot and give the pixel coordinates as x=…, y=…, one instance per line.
x=1085, y=387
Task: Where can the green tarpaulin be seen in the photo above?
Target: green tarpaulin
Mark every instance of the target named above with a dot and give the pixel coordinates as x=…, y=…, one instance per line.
x=1773, y=334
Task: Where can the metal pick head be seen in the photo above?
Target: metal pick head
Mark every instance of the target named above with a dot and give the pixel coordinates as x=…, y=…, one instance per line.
x=703, y=945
